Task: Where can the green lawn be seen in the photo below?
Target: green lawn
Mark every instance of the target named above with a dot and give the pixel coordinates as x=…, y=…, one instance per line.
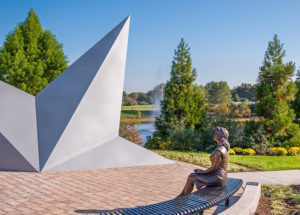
x=237, y=162
x=134, y=113
x=267, y=163
x=133, y=107
x=200, y=159
x=126, y=121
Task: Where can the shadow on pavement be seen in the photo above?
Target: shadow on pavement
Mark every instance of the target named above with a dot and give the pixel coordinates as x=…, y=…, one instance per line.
x=93, y=211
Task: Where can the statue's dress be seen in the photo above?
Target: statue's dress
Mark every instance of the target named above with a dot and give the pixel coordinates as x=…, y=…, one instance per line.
x=216, y=175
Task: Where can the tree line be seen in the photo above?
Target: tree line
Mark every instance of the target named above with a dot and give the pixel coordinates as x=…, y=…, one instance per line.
x=31, y=57
x=140, y=98
x=185, y=125
x=215, y=93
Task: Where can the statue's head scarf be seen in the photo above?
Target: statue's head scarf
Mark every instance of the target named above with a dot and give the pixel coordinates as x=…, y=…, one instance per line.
x=223, y=136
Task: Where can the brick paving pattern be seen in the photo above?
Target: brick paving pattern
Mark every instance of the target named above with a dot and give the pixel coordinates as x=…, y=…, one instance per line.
x=92, y=191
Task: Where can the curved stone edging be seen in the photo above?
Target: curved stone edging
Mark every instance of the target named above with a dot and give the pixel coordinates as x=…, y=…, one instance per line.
x=248, y=202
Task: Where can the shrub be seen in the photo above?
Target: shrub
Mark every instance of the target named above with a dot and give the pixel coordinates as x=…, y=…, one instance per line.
x=237, y=113
x=256, y=137
x=240, y=110
x=249, y=151
x=293, y=151
x=165, y=144
x=185, y=140
x=293, y=139
x=179, y=140
x=238, y=150
x=223, y=110
x=278, y=151
x=144, y=103
x=235, y=130
x=231, y=152
x=129, y=131
x=158, y=143
x=211, y=108
x=152, y=142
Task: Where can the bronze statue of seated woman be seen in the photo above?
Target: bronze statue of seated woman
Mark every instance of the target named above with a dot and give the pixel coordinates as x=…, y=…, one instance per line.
x=216, y=175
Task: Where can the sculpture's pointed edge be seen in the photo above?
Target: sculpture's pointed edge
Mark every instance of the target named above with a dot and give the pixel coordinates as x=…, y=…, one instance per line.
x=18, y=122
x=115, y=153
x=114, y=33
x=127, y=154
x=12, y=158
x=122, y=23
x=17, y=89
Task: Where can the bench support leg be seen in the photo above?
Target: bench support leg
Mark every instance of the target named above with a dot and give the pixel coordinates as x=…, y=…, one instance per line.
x=227, y=202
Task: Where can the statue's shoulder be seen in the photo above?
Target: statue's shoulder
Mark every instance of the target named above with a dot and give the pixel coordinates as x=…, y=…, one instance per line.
x=222, y=149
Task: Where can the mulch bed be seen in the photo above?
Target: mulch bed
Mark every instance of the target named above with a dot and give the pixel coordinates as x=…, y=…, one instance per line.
x=264, y=206
x=297, y=188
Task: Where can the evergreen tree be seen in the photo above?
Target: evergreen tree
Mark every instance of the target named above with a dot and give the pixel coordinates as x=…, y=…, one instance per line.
x=237, y=98
x=296, y=104
x=275, y=90
x=31, y=57
x=183, y=105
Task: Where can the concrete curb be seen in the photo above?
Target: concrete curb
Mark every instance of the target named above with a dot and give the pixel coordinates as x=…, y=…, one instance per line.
x=248, y=202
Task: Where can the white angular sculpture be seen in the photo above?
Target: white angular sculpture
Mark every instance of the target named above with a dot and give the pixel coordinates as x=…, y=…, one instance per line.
x=73, y=123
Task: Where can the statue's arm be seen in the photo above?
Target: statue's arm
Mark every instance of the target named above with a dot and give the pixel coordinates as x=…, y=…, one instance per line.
x=216, y=160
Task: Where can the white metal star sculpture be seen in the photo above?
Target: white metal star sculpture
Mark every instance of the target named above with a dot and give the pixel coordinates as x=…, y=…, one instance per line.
x=74, y=122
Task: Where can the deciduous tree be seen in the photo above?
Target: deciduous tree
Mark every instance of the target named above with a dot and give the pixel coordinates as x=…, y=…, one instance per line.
x=130, y=132
x=218, y=92
x=244, y=91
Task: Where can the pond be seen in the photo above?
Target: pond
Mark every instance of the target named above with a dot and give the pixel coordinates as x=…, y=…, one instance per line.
x=146, y=129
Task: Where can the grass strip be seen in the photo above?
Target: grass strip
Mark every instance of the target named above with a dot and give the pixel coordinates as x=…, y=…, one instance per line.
x=134, y=113
x=127, y=121
x=238, y=162
x=200, y=159
x=133, y=107
x=267, y=163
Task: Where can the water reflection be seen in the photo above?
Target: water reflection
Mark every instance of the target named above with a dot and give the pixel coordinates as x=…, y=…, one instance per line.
x=146, y=129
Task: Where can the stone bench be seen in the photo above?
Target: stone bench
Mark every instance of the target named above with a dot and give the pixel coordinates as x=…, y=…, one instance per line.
x=194, y=203
x=248, y=202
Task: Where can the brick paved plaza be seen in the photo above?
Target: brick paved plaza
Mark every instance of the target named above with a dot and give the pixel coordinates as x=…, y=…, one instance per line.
x=91, y=191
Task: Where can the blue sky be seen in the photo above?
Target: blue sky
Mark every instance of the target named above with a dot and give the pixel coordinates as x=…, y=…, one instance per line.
x=228, y=38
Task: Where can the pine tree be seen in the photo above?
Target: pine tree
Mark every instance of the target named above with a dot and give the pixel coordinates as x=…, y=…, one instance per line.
x=183, y=105
x=275, y=91
x=31, y=57
x=296, y=104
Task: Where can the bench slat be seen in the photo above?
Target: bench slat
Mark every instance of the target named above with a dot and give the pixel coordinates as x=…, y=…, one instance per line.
x=190, y=204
